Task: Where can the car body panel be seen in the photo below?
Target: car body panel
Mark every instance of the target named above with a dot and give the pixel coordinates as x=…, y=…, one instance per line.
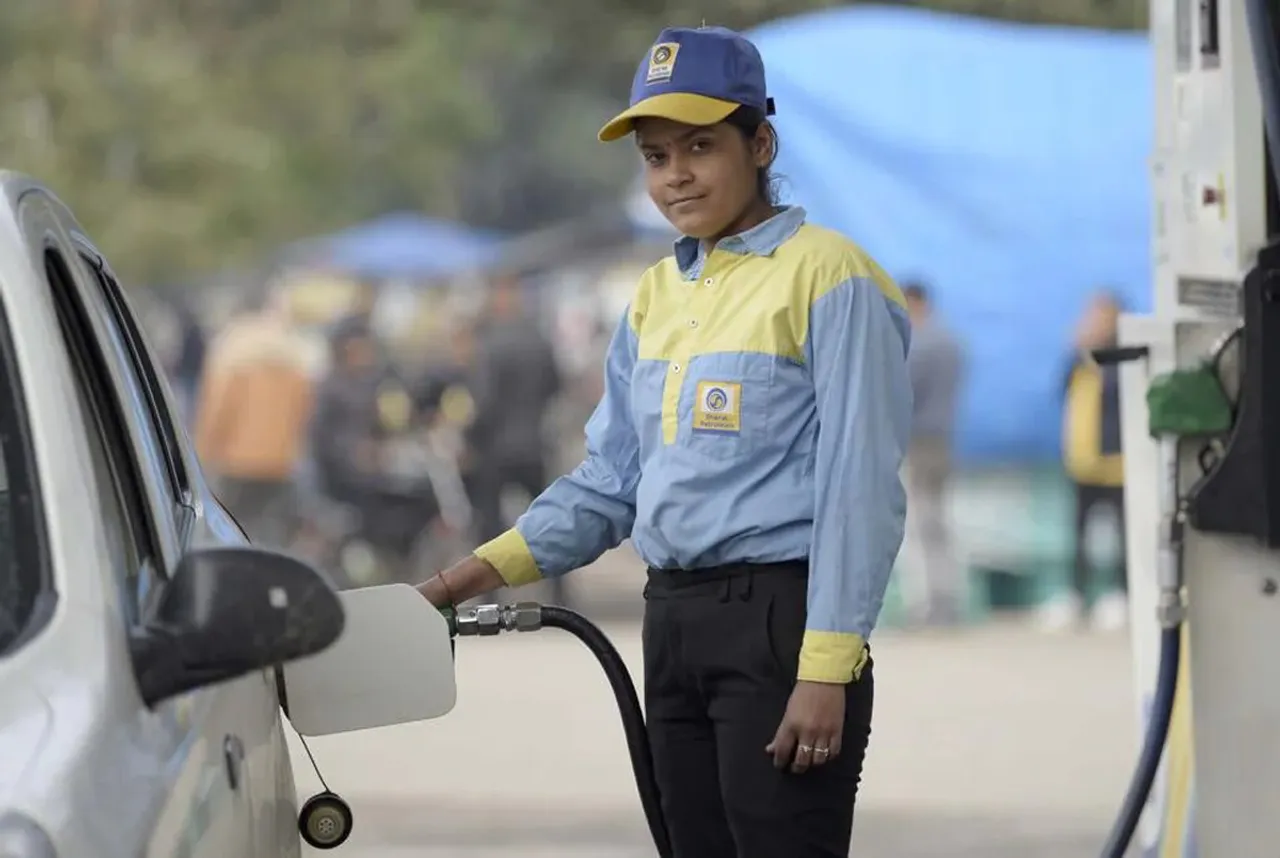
x=205, y=774
x=114, y=778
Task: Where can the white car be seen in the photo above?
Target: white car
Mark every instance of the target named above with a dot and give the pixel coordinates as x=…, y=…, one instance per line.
x=145, y=647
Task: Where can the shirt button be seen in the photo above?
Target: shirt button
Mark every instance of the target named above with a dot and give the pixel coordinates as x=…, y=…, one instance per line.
x=675, y=367
x=710, y=281
x=693, y=323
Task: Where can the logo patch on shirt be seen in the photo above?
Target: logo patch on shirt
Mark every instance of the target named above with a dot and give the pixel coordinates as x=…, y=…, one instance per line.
x=662, y=62
x=718, y=407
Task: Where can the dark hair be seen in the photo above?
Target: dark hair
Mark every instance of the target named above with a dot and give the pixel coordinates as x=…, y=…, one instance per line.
x=748, y=120
x=1113, y=297
x=345, y=331
x=916, y=291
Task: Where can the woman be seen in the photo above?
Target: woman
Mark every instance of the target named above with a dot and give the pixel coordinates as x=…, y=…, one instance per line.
x=748, y=441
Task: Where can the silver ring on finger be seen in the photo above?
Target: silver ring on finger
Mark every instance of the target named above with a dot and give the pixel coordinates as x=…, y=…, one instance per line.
x=821, y=752
x=804, y=749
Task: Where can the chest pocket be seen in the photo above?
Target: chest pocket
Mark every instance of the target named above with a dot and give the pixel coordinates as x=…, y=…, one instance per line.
x=725, y=404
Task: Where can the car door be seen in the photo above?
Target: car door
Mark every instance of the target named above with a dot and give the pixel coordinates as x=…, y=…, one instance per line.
x=202, y=811
x=264, y=773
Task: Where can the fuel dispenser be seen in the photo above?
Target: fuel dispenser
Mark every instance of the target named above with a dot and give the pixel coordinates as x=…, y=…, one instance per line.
x=1201, y=423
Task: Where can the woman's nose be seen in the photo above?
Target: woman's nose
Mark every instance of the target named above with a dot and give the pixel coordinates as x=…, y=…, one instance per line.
x=678, y=172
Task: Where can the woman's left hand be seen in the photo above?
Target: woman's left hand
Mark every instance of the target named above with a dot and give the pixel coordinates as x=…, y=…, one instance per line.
x=811, y=729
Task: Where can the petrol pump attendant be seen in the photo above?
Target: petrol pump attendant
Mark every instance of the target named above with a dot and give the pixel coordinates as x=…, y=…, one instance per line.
x=749, y=440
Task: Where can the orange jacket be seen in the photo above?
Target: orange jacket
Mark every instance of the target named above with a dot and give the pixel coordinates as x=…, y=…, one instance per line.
x=255, y=401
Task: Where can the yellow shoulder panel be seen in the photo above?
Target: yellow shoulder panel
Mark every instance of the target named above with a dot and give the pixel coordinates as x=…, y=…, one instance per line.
x=757, y=304
x=829, y=259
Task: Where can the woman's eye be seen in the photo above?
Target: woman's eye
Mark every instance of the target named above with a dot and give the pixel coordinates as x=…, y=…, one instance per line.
x=653, y=159
x=701, y=145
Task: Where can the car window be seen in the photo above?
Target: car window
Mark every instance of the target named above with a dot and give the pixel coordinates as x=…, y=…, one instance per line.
x=117, y=351
x=117, y=480
x=24, y=570
x=123, y=545
x=144, y=371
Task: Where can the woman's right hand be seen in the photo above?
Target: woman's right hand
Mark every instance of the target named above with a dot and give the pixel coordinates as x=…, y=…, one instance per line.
x=464, y=580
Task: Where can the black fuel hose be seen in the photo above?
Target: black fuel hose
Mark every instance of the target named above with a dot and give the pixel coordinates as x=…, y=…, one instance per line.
x=624, y=691
x=1144, y=775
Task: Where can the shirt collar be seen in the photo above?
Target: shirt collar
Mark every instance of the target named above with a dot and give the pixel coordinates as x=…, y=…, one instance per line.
x=762, y=239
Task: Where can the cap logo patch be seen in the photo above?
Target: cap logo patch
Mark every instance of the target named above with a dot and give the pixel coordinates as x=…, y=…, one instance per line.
x=662, y=62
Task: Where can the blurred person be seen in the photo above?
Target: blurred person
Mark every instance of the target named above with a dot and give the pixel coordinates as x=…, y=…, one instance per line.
x=347, y=426
x=365, y=423
x=442, y=391
x=932, y=577
x=254, y=403
x=188, y=364
x=1094, y=462
x=444, y=410
x=749, y=441
x=513, y=379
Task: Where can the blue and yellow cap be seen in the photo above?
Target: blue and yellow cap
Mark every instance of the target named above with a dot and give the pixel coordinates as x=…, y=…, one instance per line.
x=695, y=76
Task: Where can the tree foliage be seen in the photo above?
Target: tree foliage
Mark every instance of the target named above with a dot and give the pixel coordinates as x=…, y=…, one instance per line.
x=193, y=134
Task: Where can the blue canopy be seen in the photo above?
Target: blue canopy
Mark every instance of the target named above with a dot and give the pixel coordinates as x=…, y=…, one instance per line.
x=1005, y=165
x=405, y=245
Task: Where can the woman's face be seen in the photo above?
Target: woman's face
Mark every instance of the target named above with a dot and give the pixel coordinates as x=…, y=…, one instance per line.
x=1098, y=326
x=702, y=179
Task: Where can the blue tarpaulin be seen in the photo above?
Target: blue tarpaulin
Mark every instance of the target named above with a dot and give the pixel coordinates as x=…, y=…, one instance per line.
x=1006, y=165
x=403, y=245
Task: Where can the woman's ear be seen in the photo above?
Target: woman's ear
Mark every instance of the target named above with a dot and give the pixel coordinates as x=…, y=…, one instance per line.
x=764, y=145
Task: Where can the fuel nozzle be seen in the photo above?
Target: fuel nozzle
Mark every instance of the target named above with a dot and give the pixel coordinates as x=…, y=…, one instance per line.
x=484, y=620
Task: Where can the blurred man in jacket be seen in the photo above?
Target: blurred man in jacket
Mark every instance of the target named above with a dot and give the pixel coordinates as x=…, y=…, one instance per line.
x=1094, y=462
x=254, y=404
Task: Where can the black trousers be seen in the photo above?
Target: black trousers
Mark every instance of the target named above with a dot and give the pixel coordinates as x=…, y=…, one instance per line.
x=721, y=649
x=1088, y=500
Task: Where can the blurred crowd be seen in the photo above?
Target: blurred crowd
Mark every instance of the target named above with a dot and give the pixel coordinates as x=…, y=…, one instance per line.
x=372, y=461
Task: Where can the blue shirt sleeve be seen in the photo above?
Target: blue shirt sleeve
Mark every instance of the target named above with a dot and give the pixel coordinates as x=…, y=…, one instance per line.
x=592, y=509
x=857, y=352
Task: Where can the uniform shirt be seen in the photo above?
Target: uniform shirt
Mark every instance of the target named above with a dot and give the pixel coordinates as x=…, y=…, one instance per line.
x=757, y=407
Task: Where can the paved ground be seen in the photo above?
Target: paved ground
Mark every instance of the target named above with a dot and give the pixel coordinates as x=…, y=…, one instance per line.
x=991, y=743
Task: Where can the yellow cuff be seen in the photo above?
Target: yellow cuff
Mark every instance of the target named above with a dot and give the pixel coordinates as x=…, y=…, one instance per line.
x=510, y=555
x=832, y=657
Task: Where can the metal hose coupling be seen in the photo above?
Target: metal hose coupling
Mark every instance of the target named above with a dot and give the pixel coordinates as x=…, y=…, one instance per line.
x=484, y=620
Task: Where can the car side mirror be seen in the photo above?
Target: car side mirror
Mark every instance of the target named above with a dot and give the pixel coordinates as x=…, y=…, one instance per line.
x=229, y=611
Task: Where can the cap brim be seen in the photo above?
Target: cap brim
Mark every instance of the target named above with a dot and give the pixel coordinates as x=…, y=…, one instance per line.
x=682, y=107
